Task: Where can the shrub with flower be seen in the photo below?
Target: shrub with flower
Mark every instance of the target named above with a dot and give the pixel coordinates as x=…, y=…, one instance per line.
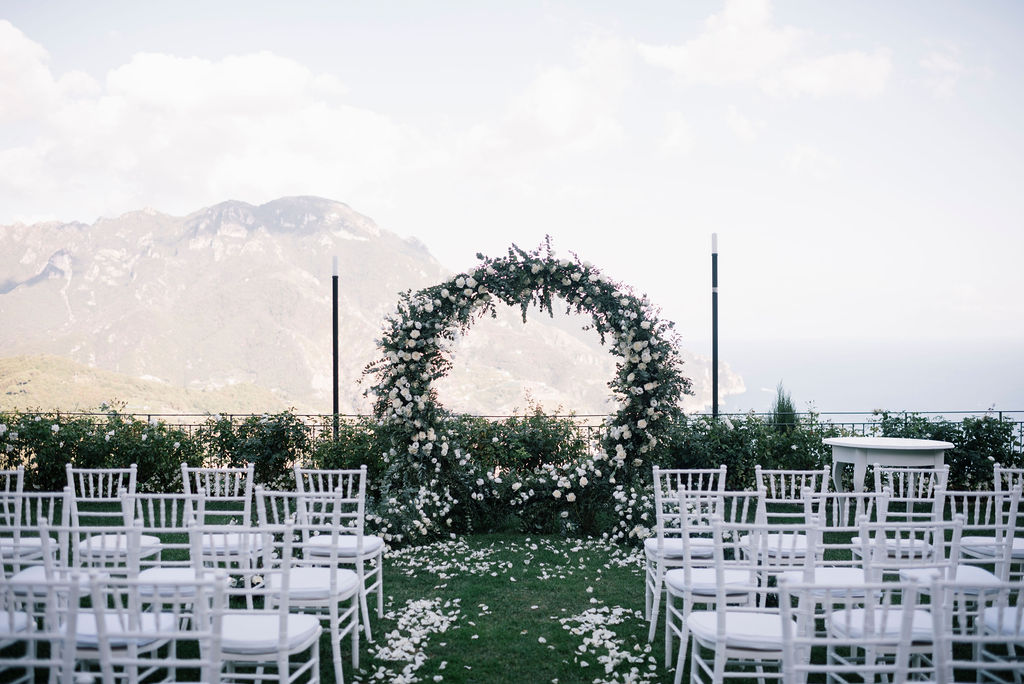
x=416, y=350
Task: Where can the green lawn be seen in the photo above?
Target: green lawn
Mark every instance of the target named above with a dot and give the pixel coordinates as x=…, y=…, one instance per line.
x=512, y=608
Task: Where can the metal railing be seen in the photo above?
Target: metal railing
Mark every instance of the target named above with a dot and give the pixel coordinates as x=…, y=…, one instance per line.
x=589, y=425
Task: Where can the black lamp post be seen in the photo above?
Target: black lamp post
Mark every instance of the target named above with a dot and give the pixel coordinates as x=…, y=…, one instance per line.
x=714, y=325
x=334, y=308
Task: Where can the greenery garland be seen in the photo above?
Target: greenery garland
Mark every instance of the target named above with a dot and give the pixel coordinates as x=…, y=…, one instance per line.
x=426, y=471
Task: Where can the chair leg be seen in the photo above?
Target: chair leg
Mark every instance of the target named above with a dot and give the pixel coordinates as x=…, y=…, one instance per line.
x=355, y=632
x=361, y=571
x=658, y=590
x=380, y=586
x=339, y=674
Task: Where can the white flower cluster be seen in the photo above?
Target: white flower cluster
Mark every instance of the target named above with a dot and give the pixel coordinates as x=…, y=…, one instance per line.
x=601, y=644
x=634, y=508
x=417, y=622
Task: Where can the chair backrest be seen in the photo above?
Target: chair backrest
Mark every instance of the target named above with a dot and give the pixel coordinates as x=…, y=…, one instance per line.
x=840, y=515
x=101, y=484
x=228, y=492
x=327, y=493
x=186, y=612
x=12, y=481
x=991, y=519
x=74, y=548
x=168, y=517
x=821, y=618
x=762, y=552
x=985, y=622
x=38, y=636
x=889, y=546
x=269, y=580
x=667, y=485
x=914, y=493
x=318, y=516
x=696, y=512
x=782, y=498
x=1007, y=478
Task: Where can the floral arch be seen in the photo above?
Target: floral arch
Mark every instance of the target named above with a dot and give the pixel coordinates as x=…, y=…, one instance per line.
x=429, y=475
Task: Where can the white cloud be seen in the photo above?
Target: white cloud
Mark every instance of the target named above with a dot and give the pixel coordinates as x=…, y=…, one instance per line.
x=850, y=73
x=679, y=136
x=173, y=132
x=572, y=108
x=810, y=162
x=745, y=129
x=738, y=45
x=743, y=46
x=944, y=70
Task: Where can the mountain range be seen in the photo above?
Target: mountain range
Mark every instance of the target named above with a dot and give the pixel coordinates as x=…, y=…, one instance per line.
x=228, y=309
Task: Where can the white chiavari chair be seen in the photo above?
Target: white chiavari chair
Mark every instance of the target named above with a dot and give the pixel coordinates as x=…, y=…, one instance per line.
x=694, y=583
x=135, y=638
x=37, y=637
x=226, y=496
x=665, y=549
x=167, y=516
x=862, y=640
x=1006, y=478
x=839, y=515
x=318, y=584
x=977, y=640
x=782, y=498
x=99, y=496
x=267, y=640
x=365, y=552
x=745, y=640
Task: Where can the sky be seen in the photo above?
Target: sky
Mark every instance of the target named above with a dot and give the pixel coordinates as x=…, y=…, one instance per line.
x=861, y=162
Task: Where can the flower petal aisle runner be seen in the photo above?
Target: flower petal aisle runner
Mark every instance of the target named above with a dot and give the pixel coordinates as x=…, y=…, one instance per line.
x=510, y=608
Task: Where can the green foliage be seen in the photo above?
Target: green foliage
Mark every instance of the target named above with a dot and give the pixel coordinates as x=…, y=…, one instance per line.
x=783, y=414
x=979, y=442
x=531, y=472
x=743, y=441
x=273, y=443
x=45, y=442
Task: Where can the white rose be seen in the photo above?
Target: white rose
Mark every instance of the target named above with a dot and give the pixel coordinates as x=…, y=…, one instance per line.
x=570, y=497
x=557, y=493
x=641, y=423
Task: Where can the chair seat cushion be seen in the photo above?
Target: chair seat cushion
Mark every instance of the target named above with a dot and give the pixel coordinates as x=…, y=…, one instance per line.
x=255, y=633
x=906, y=548
x=780, y=543
x=27, y=546
x=31, y=581
x=116, y=546
x=704, y=581
x=232, y=542
x=1008, y=622
x=13, y=623
x=314, y=583
x=163, y=581
x=700, y=547
x=748, y=630
x=320, y=545
x=840, y=580
x=87, y=629
x=851, y=624
x=986, y=548
x=970, y=576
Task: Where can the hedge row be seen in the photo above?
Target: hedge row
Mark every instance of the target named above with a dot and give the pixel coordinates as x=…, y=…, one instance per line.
x=531, y=472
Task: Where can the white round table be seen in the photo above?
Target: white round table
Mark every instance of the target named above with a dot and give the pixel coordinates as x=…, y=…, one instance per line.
x=888, y=451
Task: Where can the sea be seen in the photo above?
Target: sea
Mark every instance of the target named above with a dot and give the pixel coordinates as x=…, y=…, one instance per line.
x=902, y=375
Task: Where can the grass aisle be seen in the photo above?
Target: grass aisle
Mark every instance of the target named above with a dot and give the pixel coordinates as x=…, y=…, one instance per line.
x=512, y=608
